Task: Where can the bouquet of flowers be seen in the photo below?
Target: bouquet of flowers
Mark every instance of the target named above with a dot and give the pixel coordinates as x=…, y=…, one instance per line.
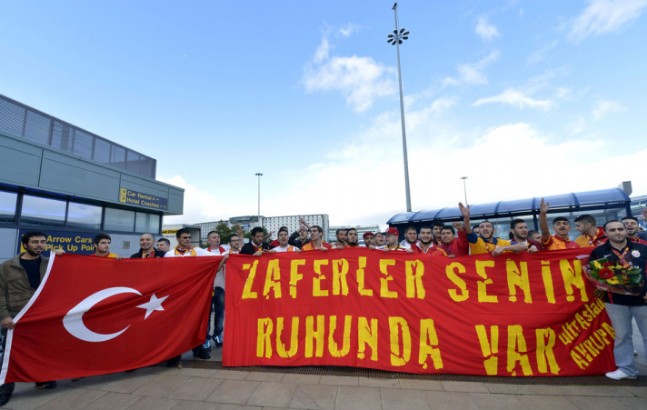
x=616, y=277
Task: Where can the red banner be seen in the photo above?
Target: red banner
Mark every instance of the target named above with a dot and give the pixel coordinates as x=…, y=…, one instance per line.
x=513, y=315
x=96, y=315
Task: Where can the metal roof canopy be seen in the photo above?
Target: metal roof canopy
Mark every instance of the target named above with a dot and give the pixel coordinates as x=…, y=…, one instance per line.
x=600, y=199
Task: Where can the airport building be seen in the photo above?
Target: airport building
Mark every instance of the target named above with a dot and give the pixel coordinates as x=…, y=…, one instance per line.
x=72, y=184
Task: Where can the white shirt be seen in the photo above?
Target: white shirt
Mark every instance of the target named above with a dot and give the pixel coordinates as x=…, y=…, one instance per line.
x=285, y=249
x=198, y=252
x=219, y=281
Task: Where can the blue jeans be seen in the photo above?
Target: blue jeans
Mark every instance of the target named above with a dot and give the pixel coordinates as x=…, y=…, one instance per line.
x=623, y=349
x=219, y=311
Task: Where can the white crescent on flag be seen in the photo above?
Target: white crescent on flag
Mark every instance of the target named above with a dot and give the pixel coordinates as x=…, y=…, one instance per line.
x=73, y=320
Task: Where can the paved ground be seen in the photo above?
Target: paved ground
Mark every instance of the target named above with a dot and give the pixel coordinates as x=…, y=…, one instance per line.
x=214, y=388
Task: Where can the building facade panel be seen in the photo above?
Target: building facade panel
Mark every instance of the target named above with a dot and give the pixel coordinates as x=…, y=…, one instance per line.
x=19, y=162
x=78, y=177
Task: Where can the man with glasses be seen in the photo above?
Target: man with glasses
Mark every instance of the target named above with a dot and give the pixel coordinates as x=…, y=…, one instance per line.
x=184, y=247
x=316, y=240
x=235, y=243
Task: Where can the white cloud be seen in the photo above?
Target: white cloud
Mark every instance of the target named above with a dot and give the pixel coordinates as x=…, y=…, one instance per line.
x=361, y=80
x=322, y=51
x=199, y=205
x=577, y=126
x=348, y=30
x=541, y=54
x=517, y=99
x=604, y=107
x=605, y=16
x=485, y=30
x=472, y=74
x=525, y=95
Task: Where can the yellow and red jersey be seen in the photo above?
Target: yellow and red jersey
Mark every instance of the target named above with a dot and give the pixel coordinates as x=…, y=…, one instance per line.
x=587, y=241
x=555, y=243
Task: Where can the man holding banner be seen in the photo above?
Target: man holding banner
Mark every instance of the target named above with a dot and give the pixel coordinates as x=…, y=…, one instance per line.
x=19, y=279
x=184, y=249
x=621, y=308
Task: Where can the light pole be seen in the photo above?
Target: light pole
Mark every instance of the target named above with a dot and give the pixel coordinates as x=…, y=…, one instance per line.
x=465, y=189
x=258, y=219
x=398, y=36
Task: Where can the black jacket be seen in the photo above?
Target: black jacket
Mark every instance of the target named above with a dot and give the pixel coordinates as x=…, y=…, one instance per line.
x=636, y=255
x=138, y=255
x=248, y=248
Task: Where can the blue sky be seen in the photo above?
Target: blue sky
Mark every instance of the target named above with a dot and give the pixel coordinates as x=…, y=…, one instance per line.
x=525, y=98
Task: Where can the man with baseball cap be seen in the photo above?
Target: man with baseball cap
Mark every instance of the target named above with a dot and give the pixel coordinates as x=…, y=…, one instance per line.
x=392, y=241
x=368, y=239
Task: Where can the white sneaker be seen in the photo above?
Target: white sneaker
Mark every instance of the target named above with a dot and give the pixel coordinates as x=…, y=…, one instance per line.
x=619, y=375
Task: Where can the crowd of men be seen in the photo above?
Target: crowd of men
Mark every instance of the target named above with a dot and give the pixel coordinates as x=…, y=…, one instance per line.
x=618, y=241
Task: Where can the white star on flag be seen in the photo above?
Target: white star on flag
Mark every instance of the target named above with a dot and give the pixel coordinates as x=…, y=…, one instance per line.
x=153, y=304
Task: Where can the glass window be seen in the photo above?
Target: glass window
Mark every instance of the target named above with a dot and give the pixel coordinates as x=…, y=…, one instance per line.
x=147, y=222
x=118, y=157
x=8, y=206
x=40, y=210
x=132, y=161
x=84, y=216
x=119, y=220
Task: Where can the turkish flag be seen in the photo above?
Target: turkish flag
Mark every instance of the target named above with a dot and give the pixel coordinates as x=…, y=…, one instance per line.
x=95, y=316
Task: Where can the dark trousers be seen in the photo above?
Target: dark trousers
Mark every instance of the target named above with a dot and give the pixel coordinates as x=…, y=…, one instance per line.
x=7, y=387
